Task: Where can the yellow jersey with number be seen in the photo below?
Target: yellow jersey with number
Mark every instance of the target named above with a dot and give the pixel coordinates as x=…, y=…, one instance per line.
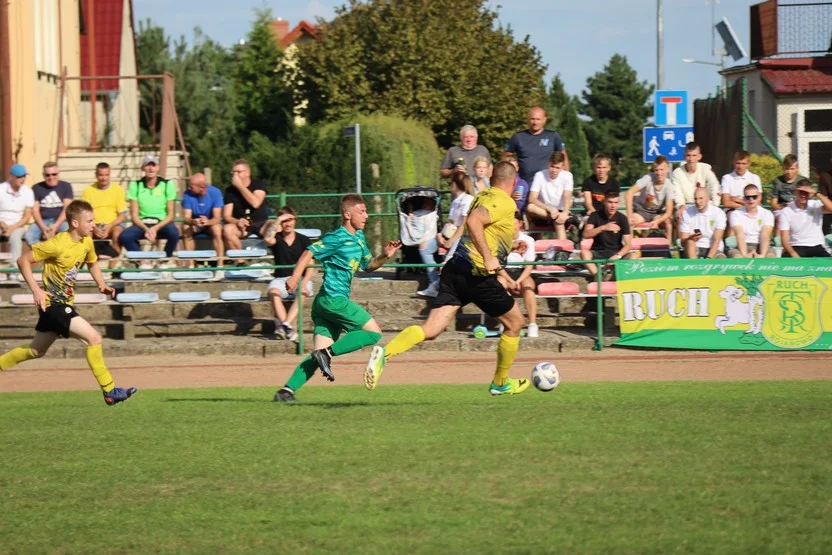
x=499, y=234
x=62, y=259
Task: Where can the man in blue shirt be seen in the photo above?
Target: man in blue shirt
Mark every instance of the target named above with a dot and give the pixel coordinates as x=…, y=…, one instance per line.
x=535, y=145
x=202, y=213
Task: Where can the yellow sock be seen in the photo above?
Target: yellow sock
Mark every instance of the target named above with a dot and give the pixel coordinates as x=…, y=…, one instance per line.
x=95, y=358
x=16, y=356
x=506, y=350
x=404, y=341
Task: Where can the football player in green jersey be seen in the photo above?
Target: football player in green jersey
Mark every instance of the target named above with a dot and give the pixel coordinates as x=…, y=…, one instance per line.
x=341, y=253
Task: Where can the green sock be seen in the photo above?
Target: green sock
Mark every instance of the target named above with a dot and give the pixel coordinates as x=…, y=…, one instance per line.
x=354, y=341
x=304, y=371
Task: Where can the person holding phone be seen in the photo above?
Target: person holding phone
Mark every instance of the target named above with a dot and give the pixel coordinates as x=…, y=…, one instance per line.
x=702, y=228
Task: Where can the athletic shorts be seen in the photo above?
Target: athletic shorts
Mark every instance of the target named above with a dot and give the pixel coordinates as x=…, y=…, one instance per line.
x=334, y=315
x=457, y=287
x=645, y=213
x=514, y=272
x=56, y=318
x=603, y=253
x=280, y=285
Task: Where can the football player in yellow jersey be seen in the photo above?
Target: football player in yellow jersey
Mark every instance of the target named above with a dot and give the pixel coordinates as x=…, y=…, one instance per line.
x=471, y=277
x=63, y=256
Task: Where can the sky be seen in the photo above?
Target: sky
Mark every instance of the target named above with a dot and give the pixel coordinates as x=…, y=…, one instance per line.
x=575, y=38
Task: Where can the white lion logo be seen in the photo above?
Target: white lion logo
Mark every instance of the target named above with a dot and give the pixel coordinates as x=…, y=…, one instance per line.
x=740, y=312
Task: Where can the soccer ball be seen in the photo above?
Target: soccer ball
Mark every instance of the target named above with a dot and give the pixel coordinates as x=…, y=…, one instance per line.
x=545, y=376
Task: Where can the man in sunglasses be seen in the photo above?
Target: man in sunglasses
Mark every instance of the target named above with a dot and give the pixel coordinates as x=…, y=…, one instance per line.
x=752, y=225
x=800, y=223
x=52, y=196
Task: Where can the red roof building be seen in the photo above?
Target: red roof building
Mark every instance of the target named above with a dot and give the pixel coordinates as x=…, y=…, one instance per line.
x=105, y=27
x=285, y=38
x=788, y=76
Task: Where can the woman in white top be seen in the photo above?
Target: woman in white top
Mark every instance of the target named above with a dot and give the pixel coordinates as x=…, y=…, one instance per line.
x=462, y=189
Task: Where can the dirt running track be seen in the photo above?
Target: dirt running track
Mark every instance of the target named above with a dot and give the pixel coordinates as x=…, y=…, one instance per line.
x=157, y=372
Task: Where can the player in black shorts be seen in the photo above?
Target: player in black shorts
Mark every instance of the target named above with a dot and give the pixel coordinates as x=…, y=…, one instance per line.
x=471, y=277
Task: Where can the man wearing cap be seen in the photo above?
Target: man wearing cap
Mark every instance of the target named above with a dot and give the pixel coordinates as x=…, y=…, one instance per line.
x=800, y=222
x=16, y=203
x=151, y=200
x=52, y=196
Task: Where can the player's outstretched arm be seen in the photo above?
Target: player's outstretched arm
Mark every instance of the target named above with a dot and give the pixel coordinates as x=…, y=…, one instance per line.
x=379, y=261
x=98, y=276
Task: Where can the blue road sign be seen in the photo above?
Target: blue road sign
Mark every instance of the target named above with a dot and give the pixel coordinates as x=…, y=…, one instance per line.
x=666, y=141
x=670, y=108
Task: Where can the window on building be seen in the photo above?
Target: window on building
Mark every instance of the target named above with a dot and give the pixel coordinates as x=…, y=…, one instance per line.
x=817, y=120
x=820, y=155
x=47, y=57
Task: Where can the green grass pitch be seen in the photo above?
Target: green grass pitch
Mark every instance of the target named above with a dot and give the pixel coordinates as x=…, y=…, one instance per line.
x=597, y=467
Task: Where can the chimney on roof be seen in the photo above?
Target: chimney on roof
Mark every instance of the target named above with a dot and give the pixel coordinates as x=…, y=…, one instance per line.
x=280, y=28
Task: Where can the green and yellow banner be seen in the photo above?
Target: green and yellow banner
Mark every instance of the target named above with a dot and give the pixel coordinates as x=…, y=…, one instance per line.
x=748, y=304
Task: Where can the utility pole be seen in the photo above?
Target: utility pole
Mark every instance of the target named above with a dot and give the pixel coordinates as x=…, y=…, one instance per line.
x=659, y=46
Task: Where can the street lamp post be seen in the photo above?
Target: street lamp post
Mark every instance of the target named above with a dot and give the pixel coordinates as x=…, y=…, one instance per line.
x=720, y=65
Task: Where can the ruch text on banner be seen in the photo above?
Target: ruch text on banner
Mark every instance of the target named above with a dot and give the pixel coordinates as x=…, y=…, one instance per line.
x=747, y=304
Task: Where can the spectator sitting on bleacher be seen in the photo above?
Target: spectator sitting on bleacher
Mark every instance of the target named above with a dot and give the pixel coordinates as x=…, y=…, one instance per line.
x=702, y=228
x=287, y=247
x=480, y=177
x=152, y=210
x=733, y=184
x=244, y=212
x=462, y=191
x=52, y=196
x=110, y=205
x=825, y=189
x=782, y=186
x=801, y=223
x=690, y=176
x=752, y=225
x=610, y=233
x=651, y=199
x=550, y=198
x=523, y=251
x=521, y=190
x=597, y=185
x=202, y=213
x=16, y=202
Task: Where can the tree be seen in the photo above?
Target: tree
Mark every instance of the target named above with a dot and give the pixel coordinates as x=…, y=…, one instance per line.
x=153, y=58
x=264, y=97
x=617, y=105
x=562, y=109
x=204, y=94
x=445, y=63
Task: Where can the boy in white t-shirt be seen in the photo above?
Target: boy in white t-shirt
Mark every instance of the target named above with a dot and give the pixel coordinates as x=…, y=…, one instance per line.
x=733, y=184
x=702, y=228
x=752, y=225
x=801, y=223
x=550, y=197
x=651, y=199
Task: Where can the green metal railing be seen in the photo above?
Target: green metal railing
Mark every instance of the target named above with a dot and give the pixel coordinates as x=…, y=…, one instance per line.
x=599, y=341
